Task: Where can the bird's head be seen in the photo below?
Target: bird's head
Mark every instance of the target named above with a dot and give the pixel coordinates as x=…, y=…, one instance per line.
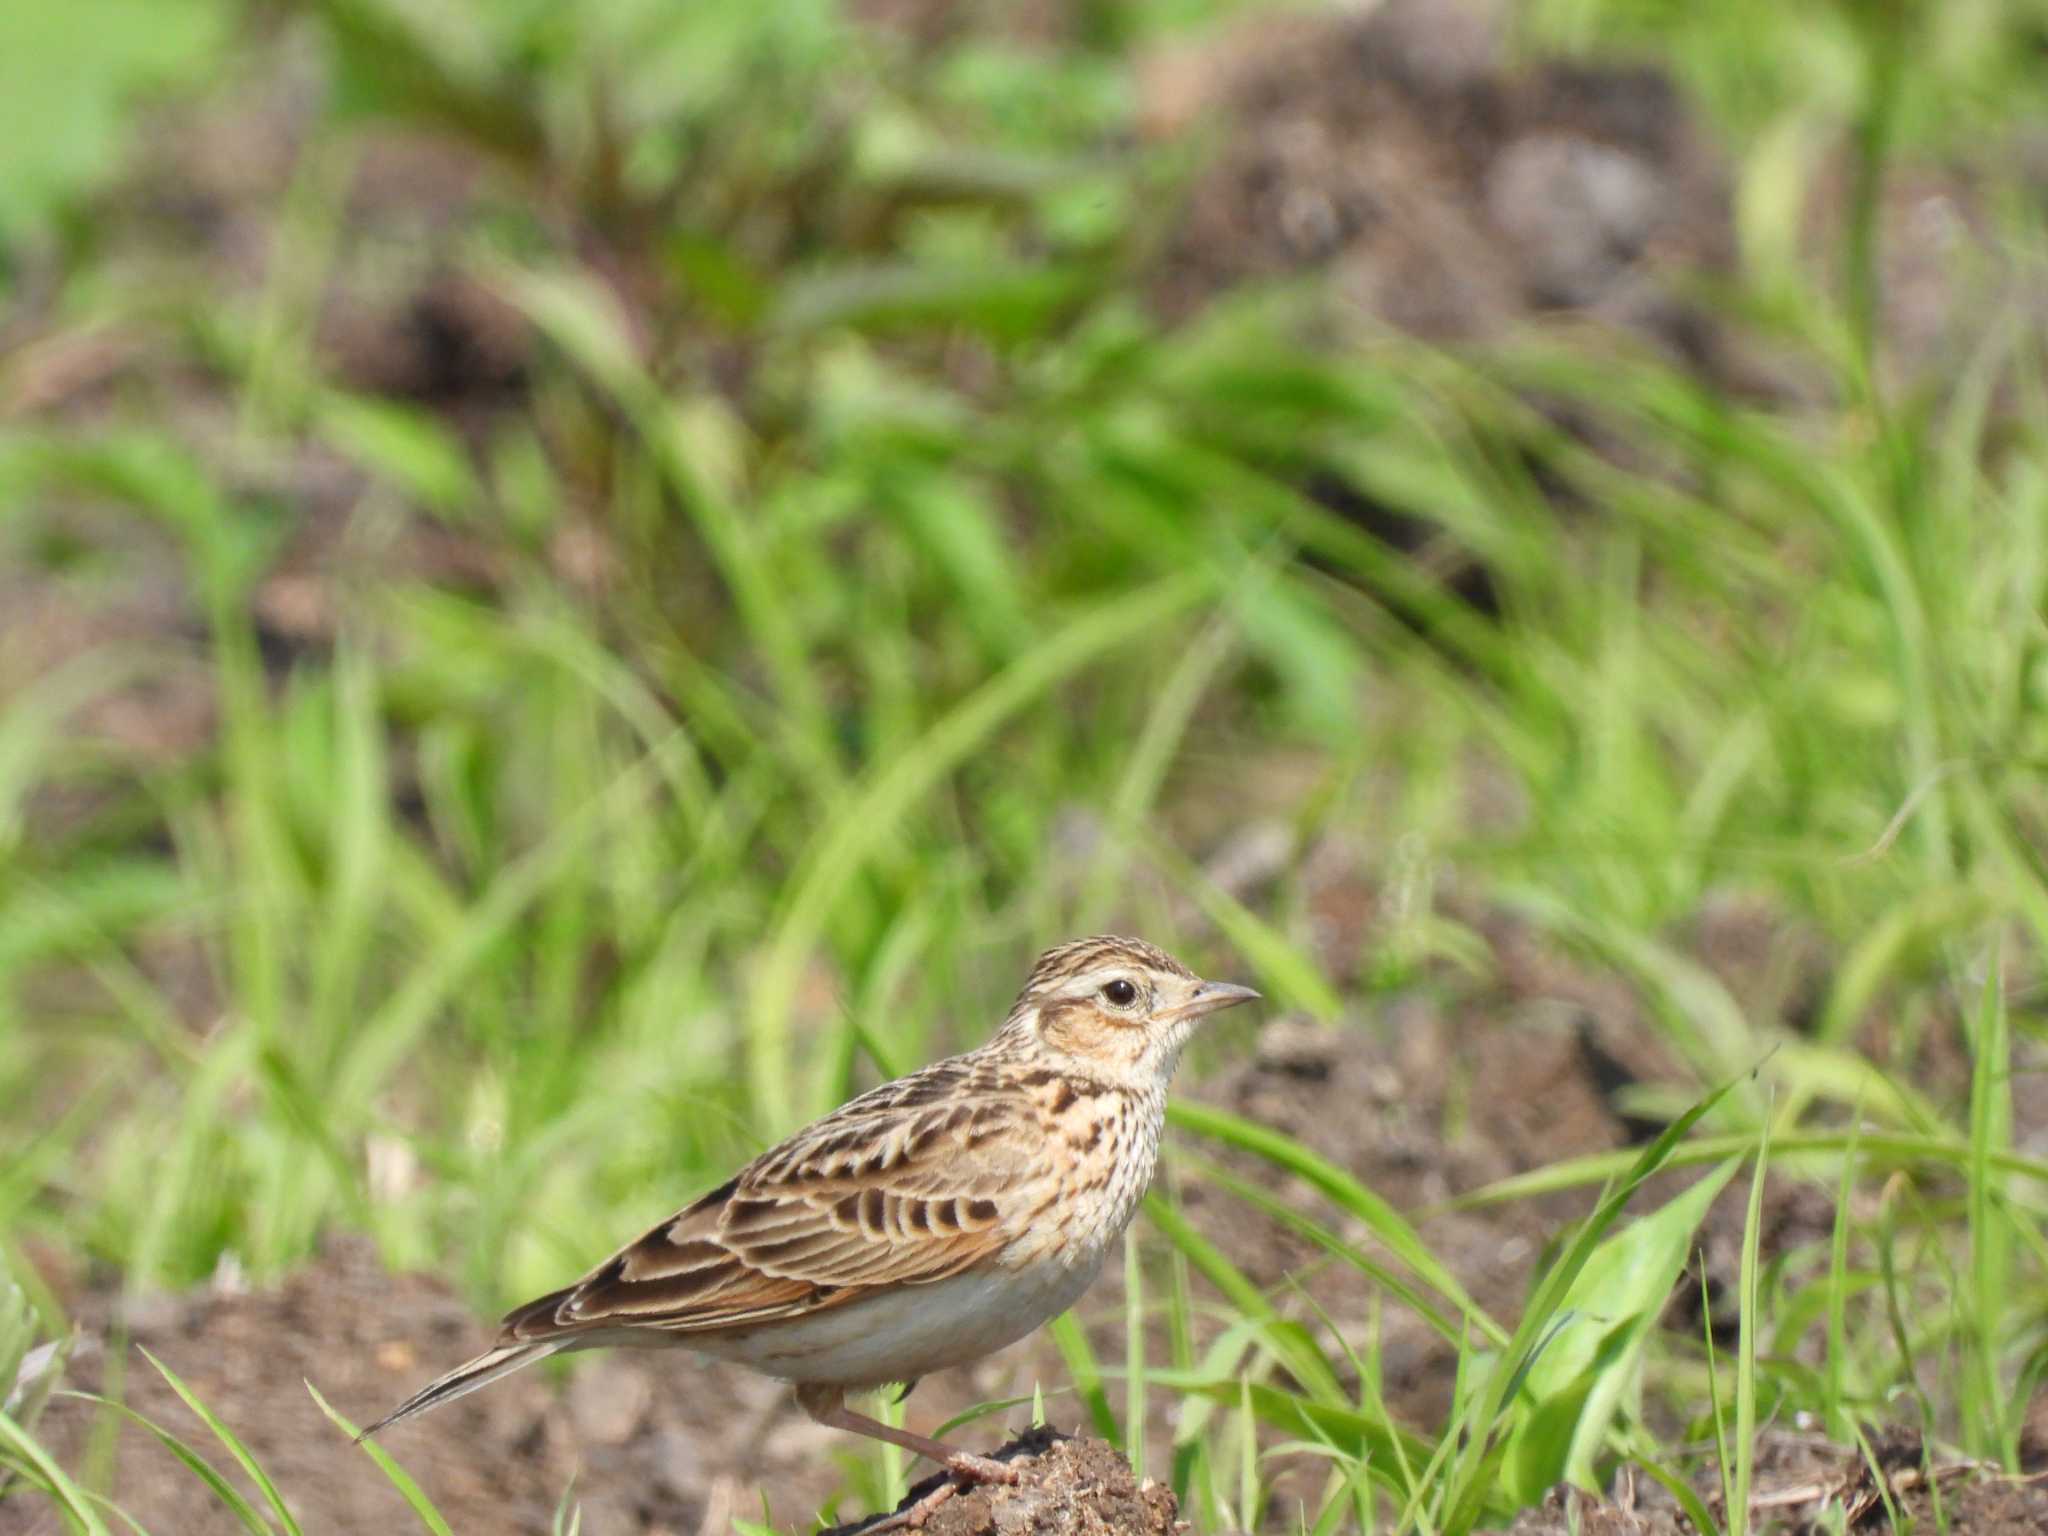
x=1118, y=1009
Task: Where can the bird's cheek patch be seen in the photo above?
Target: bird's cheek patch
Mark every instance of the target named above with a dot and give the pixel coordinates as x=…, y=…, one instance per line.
x=1073, y=1027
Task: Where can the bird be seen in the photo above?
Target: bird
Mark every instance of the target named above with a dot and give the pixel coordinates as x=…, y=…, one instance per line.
x=924, y=1224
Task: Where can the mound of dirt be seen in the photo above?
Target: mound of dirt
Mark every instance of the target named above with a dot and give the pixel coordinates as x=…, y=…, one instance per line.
x=1065, y=1487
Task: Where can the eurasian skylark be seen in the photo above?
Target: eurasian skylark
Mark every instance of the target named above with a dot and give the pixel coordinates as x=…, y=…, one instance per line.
x=925, y=1224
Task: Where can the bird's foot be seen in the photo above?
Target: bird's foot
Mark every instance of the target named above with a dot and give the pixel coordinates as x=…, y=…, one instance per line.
x=912, y=1516
x=970, y=1468
x=964, y=1469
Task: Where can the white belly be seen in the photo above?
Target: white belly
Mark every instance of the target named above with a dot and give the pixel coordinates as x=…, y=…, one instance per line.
x=901, y=1335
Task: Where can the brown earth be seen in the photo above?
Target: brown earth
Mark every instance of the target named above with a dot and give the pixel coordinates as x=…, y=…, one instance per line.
x=1065, y=1487
x=1449, y=189
x=1441, y=188
x=1807, y=1486
x=648, y=1450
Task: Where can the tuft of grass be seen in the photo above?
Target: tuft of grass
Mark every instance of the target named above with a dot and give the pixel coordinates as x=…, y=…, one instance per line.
x=1473, y=1458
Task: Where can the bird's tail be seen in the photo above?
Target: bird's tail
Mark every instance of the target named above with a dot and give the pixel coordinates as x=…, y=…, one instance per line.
x=466, y=1378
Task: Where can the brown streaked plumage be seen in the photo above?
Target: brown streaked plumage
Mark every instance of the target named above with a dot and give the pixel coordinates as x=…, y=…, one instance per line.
x=924, y=1224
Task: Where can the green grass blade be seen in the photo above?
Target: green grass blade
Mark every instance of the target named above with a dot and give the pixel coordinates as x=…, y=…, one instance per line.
x=1572, y=1389
x=67, y=1494
x=402, y=1480
x=1887, y=1150
x=1470, y=1489
x=1134, y=1355
x=1723, y=1464
x=1035, y=1399
x=1079, y=1355
x=1214, y=1174
x=1836, y=1369
x=1288, y=1340
x=1750, y=1323
x=1380, y=1218
x=1996, y=1431
x=1689, y=1503
x=877, y=807
x=1281, y=966
x=1382, y=1443
x=223, y=1490
x=231, y=1441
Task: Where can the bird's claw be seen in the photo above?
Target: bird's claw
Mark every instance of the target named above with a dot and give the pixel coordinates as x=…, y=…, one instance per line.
x=965, y=1468
x=912, y=1517
x=971, y=1468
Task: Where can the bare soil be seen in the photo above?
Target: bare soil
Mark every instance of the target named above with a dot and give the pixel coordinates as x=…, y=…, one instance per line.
x=1448, y=188
x=648, y=1450
x=1806, y=1485
x=1443, y=188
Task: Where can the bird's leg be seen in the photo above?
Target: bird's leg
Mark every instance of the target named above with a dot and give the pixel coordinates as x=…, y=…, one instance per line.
x=827, y=1405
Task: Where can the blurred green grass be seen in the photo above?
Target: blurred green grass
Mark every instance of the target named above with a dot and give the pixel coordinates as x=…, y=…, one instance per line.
x=980, y=610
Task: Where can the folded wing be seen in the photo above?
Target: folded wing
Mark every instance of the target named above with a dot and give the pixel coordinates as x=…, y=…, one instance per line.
x=899, y=1188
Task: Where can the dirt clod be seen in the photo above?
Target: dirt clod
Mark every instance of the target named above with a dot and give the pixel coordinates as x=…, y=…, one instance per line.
x=1082, y=1487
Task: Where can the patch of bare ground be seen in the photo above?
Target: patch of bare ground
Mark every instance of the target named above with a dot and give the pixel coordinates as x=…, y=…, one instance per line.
x=650, y=1446
x=1809, y=1486
x=1453, y=189
x=1443, y=187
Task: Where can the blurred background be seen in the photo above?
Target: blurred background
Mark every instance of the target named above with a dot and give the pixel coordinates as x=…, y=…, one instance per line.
x=578, y=583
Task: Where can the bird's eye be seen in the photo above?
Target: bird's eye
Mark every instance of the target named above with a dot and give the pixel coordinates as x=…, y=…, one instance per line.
x=1120, y=992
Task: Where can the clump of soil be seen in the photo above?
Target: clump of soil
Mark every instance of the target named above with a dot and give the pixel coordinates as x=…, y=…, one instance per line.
x=1065, y=1487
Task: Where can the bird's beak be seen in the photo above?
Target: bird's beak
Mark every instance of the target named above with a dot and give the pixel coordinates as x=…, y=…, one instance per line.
x=1209, y=996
